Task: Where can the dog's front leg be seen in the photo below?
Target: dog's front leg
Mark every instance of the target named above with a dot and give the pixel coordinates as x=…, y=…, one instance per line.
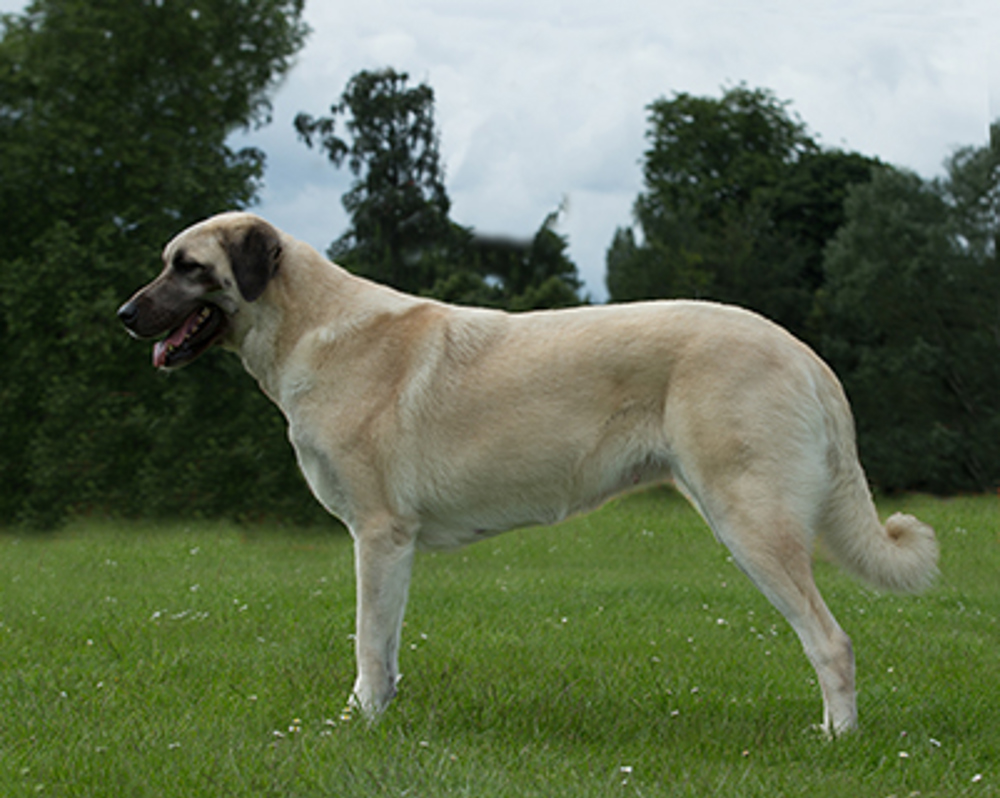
x=383, y=555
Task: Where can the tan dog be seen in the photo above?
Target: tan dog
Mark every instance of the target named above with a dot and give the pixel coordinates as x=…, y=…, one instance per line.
x=423, y=424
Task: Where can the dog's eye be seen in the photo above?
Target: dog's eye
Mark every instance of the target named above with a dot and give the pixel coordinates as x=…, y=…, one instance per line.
x=185, y=266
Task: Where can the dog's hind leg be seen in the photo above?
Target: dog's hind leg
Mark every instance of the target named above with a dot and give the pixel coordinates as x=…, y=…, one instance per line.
x=773, y=548
x=383, y=554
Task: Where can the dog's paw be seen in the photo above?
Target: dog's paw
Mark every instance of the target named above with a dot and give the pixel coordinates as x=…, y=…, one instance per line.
x=828, y=733
x=359, y=709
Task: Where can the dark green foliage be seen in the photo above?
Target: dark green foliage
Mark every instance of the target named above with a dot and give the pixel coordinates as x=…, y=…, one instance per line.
x=400, y=233
x=114, y=117
x=738, y=205
x=911, y=313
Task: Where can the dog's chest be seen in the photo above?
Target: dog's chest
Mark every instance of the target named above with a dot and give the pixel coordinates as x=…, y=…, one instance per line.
x=322, y=476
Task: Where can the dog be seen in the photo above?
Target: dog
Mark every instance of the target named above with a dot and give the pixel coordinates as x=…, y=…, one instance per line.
x=426, y=425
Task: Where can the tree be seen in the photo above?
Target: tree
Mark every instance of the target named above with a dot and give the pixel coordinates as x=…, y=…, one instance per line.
x=711, y=156
x=911, y=313
x=738, y=203
x=401, y=233
x=114, y=122
x=398, y=205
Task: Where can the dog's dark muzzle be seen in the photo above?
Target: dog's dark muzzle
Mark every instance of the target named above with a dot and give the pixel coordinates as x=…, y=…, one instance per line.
x=152, y=312
x=185, y=334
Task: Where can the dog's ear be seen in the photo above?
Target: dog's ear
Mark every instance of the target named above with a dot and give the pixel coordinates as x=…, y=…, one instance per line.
x=254, y=255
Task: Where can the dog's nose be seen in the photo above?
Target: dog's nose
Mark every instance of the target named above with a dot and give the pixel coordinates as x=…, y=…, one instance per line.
x=128, y=313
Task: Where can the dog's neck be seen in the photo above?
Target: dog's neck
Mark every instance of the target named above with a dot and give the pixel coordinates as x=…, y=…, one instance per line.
x=308, y=297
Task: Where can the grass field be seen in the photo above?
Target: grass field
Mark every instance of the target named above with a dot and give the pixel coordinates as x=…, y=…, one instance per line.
x=619, y=654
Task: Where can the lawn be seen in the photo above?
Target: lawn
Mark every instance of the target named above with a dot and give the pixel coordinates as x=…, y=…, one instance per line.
x=620, y=653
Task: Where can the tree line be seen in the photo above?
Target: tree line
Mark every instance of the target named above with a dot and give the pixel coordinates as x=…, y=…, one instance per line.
x=115, y=133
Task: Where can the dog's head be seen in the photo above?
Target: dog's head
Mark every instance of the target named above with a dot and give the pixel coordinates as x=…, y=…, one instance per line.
x=210, y=271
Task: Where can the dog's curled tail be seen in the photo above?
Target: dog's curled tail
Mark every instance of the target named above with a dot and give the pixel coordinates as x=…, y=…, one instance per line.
x=900, y=556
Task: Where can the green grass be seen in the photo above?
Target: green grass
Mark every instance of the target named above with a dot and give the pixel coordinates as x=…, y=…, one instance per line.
x=620, y=653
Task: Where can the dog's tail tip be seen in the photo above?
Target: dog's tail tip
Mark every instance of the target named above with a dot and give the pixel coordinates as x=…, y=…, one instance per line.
x=912, y=566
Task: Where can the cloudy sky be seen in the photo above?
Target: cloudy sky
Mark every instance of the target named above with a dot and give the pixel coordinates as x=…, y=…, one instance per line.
x=541, y=101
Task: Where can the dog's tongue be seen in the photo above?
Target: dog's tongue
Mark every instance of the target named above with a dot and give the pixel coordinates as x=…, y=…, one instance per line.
x=172, y=341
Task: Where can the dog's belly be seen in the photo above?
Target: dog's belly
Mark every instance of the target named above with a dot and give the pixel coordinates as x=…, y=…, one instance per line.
x=498, y=510
x=475, y=516
x=438, y=537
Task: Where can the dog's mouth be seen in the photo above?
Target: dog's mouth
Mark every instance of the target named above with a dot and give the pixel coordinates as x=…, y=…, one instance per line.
x=195, y=335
